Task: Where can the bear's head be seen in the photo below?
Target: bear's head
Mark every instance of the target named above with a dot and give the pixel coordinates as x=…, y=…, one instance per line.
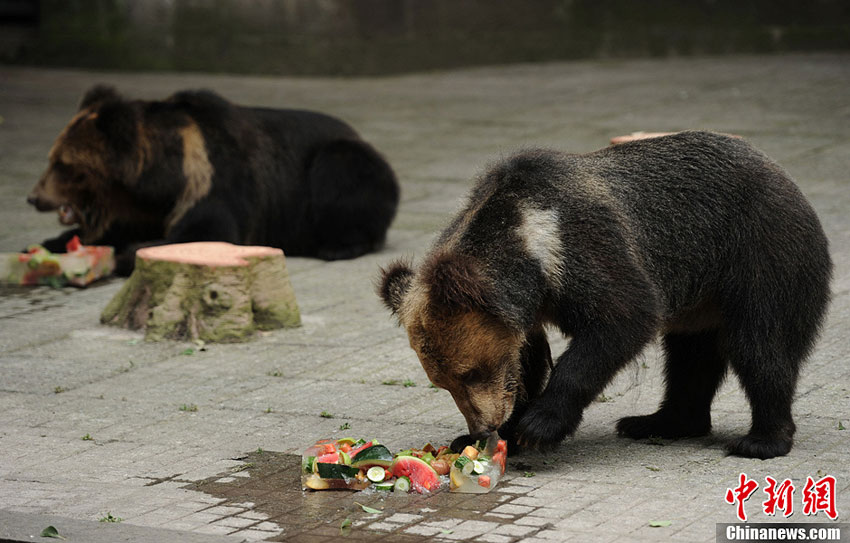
x=101, y=151
x=448, y=308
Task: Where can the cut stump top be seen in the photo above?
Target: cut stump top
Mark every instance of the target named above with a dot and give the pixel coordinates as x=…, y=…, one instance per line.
x=207, y=253
x=634, y=136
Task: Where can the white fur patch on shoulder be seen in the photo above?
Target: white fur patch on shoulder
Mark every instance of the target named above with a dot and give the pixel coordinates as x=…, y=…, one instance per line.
x=197, y=170
x=541, y=234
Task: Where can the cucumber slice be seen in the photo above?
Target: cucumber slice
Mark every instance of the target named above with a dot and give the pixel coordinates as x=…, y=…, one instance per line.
x=376, y=474
x=402, y=484
x=465, y=464
x=462, y=461
x=477, y=468
x=384, y=486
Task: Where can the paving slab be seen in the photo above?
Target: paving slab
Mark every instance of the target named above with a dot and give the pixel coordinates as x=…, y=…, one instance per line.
x=202, y=444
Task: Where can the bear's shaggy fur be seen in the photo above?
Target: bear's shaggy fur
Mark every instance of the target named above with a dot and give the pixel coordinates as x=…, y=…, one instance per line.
x=195, y=167
x=695, y=237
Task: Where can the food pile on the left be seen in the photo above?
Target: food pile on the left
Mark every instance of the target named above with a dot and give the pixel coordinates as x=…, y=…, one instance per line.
x=81, y=265
x=359, y=465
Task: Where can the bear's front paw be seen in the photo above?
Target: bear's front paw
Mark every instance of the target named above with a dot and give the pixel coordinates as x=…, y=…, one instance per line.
x=544, y=428
x=461, y=442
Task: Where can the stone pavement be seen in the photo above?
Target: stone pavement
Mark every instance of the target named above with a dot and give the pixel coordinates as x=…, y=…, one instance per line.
x=97, y=425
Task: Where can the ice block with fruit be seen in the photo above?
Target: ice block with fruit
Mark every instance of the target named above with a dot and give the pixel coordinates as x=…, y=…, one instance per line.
x=81, y=265
x=479, y=467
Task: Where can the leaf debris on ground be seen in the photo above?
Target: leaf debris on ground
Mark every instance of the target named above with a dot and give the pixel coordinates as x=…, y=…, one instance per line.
x=368, y=509
x=51, y=531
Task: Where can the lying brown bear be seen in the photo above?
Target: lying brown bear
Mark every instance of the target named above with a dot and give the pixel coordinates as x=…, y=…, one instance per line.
x=696, y=237
x=195, y=167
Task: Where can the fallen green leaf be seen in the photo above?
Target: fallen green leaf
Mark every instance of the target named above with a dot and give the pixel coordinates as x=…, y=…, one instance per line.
x=51, y=531
x=660, y=523
x=841, y=426
x=368, y=509
x=326, y=415
x=345, y=527
x=188, y=352
x=446, y=530
x=529, y=474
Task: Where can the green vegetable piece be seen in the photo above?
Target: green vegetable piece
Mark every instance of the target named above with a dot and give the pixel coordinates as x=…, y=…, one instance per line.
x=386, y=485
x=428, y=457
x=660, y=523
x=335, y=471
x=477, y=468
x=402, y=484
x=307, y=464
x=51, y=531
x=345, y=459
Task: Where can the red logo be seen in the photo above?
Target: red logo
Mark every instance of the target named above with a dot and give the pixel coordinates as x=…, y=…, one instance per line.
x=740, y=494
x=820, y=496
x=817, y=496
x=781, y=497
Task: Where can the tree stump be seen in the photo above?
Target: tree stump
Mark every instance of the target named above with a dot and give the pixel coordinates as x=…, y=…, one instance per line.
x=212, y=291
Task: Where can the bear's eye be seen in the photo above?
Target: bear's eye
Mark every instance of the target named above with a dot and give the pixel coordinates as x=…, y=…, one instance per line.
x=66, y=173
x=472, y=376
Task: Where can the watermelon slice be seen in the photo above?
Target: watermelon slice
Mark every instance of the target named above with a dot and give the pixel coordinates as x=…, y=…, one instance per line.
x=422, y=477
x=376, y=455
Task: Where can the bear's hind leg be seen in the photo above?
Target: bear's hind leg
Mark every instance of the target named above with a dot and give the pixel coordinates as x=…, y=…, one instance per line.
x=694, y=368
x=770, y=390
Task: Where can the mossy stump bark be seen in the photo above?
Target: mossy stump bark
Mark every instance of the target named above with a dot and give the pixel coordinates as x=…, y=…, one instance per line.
x=212, y=291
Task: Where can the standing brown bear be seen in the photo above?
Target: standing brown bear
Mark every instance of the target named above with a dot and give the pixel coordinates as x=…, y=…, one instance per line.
x=696, y=237
x=195, y=167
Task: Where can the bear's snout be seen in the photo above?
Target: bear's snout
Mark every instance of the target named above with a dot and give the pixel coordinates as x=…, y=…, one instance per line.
x=41, y=204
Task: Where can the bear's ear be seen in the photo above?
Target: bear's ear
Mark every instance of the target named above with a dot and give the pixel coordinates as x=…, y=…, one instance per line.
x=118, y=122
x=99, y=94
x=395, y=282
x=455, y=282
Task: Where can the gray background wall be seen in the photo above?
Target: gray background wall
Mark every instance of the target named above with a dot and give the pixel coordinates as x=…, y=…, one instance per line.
x=351, y=37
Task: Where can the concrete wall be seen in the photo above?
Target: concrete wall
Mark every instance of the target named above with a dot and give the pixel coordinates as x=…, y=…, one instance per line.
x=388, y=36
